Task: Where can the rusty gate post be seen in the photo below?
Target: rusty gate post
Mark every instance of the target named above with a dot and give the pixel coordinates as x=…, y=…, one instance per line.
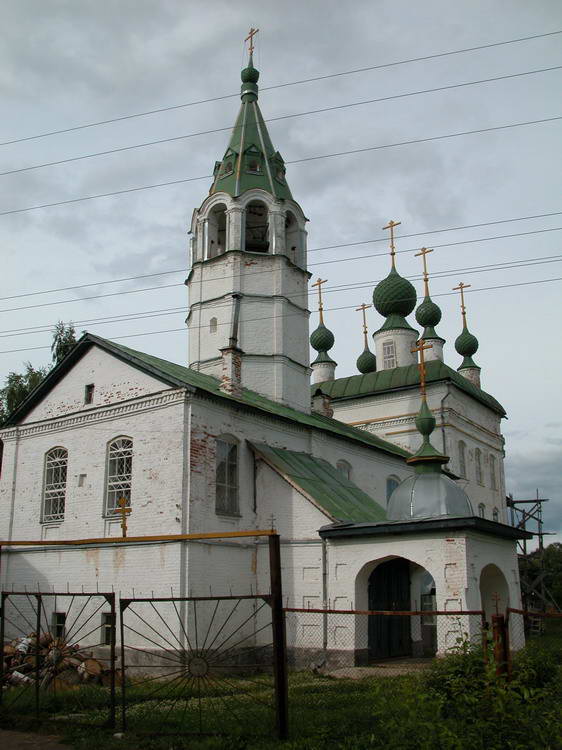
x=279, y=638
x=2, y=635
x=484, y=636
x=500, y=644
x=112, y=658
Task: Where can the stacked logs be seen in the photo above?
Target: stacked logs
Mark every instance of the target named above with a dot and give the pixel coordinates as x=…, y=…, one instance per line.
x=54, y=662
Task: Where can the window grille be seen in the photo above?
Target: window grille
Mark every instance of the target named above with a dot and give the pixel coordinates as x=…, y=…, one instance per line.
x=226, y=477
x=478, y=461
x=119, y=473
x=462, y=459
x=58, y=623
x=213, y=325
x=106, y=627
x=54, y=487
x=388, y=355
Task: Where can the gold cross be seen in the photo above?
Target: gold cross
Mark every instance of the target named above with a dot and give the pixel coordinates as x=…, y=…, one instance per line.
x=123, y=511
x=250, y=37
x=462, y=287
x=391, y=224
x=423, y=252
x=320, y=305
x=364, y=307
x=421, y=347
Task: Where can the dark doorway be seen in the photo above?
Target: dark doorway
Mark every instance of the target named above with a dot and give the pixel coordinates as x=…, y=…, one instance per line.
x=389, y=589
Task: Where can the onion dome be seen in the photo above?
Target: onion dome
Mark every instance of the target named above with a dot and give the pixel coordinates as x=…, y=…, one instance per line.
x=394, y=295
x=366, y=362
x=428, y=493
x=428, y=315
x=467, y=345
x=322, y=339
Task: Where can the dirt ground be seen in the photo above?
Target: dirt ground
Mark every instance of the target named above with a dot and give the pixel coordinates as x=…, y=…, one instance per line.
x=24, y=741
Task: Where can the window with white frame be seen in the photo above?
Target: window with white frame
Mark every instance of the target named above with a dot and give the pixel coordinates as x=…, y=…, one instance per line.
x=388, y=355
x=58, y=623
x=496, y=514
x=213, y=325
x=119, y=473
x=462, y=459
x=54, y=484
x=481, y=510
x=345, y=468
x=226, y=477
x=478, y=463
x=493, y=480
x=106, y=628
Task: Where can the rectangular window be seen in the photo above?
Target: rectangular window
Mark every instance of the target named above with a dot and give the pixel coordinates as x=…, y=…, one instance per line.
x=106, y=627
x=89, y=393
x=388, y=355
x=58, y=622
x=227, y=478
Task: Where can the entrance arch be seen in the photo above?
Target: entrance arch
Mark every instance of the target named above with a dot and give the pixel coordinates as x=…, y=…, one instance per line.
x=494, y=591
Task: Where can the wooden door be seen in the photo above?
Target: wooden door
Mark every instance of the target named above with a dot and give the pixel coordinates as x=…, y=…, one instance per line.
x=389, y=589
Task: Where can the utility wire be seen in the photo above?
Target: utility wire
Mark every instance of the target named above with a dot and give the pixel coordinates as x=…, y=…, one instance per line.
x=293, y=161
x=312, y=250
x=328, y=309
x=273, y=119
x=254, y=273
x=280, y=85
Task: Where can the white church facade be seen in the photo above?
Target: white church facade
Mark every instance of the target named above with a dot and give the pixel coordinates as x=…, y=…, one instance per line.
x=236, y=439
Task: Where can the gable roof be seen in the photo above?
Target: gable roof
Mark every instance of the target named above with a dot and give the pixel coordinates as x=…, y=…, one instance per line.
x=322, y=483
x=358, y=386
x=179, y=376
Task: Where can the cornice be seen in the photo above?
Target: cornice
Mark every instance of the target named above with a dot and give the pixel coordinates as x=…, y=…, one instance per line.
x=98, y=414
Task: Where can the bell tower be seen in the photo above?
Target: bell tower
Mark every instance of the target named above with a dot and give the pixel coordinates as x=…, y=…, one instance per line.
x=248, y=283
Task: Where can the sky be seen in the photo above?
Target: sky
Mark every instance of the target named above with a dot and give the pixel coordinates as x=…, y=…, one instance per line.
x=69, y=63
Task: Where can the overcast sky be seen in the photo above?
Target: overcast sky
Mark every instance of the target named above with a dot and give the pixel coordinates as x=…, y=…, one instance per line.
x=73, y=62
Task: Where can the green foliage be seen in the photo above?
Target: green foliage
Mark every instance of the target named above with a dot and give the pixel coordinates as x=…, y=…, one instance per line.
x=64, y=338
x=17, y=387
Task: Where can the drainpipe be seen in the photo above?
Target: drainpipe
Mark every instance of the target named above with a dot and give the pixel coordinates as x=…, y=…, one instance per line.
x=325, y=594
x=442, y=412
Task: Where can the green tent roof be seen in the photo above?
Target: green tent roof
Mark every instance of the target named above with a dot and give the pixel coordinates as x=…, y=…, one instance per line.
x=357, y=386
x=323, y=484
x=180, y=376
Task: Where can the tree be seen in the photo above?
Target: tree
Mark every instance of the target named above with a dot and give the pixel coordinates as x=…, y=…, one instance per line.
x=17, y=387
x=64, y=338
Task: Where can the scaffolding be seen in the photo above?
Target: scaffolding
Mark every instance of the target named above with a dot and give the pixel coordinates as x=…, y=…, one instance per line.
x=528, y=516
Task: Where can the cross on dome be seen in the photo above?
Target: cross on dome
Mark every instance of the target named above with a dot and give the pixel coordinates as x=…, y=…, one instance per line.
x=391, y=224
x=421, y=347
x=250, y=38
x=318, y=283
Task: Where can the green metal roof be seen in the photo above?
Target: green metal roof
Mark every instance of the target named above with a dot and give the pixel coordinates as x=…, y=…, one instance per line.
x=250, y=161
x=323, y=484
x=357, y=386
x=180, y=376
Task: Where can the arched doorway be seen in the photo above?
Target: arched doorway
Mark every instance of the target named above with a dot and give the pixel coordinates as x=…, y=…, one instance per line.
x=389, y=590
x=494, y=591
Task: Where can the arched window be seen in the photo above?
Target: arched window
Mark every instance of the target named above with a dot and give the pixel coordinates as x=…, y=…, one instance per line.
x=213, y=325
x=388, y=355
x=391, y=484
x=493, y=481
x=216, y=231
x=54, y=484
x=292, y=237
x=462, y=459
x=478, y=462
x=496, y=514
x=226, y=476
x=345, y=468
x=482, y=510
x=257, y=228
x=119, y=473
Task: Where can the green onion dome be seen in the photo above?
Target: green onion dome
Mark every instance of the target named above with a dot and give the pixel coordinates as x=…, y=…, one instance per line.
x=366, y=362
x=428, y=313
x=322, y=339
x=394, y=295
x=425, y=421
x=250, y=74
x=466, y=344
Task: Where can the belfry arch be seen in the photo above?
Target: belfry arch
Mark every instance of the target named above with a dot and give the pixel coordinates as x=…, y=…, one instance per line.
x=256, y=227
x=216, y=239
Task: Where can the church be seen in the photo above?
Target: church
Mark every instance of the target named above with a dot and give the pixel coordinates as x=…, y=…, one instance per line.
x=386, y=487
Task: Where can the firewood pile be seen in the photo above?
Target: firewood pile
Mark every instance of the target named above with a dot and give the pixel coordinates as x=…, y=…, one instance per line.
x=61, y=665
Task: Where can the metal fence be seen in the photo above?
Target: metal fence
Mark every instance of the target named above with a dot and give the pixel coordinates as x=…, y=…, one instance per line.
x=536, y=629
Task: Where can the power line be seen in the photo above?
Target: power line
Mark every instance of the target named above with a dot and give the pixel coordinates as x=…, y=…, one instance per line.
x=254, y=273
x=274, y=119
x=312, y=250
x=293, y=161
x=278, y=86
x=332, y=309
